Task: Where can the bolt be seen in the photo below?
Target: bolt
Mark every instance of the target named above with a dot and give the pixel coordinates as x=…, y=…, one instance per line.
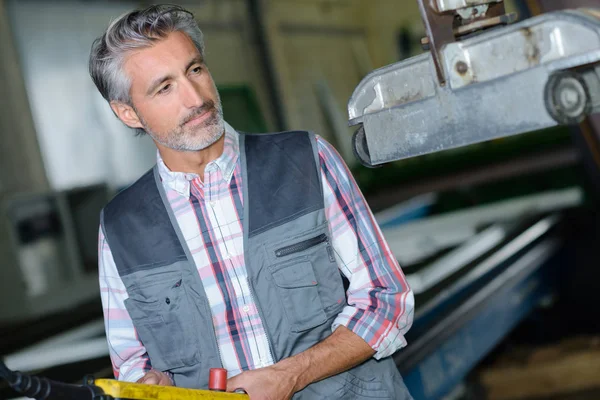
x=570, y=98
x=461, y=67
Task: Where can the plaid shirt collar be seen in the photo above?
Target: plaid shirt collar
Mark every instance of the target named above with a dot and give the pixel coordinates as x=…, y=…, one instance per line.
x=226, y=162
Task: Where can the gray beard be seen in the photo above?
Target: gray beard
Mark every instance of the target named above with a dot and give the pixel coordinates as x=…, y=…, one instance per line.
x=199, y=138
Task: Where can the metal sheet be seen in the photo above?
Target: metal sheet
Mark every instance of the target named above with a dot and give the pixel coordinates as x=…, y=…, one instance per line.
x=441, y=358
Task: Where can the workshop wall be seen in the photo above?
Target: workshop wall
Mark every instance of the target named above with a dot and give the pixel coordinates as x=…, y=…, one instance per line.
x=81, y=141
x=232, y=53
x=20, y=165
x=312, y=45
x=389, y=23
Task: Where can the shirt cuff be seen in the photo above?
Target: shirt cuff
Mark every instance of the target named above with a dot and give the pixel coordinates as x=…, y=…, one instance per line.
x=132, y=376
x=378, y=332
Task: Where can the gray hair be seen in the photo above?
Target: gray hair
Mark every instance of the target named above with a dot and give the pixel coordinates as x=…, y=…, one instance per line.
x=134, y=30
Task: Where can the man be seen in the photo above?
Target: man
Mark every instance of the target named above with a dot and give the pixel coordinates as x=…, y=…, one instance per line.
x=230, y=251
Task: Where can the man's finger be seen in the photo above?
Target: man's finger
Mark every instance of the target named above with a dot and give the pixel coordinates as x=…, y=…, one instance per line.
x=231, y=384
x=149, y=379
x=165, y=380
x=235, y=383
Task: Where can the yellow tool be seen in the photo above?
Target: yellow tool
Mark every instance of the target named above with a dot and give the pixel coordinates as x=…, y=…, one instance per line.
x=138, y=391
x=41, y=388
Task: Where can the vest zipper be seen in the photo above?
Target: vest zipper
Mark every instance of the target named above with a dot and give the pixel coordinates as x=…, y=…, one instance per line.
x=301, y=246
x=260, y=314
x=214, y=336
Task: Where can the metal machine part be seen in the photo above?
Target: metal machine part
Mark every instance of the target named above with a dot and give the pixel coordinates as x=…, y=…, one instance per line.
x=470, y=297
x=449, y=5
x=450, y=345
x=448, y=264
x=531, y=75
x=446, y=20
x=49, y=245
x=417, y=240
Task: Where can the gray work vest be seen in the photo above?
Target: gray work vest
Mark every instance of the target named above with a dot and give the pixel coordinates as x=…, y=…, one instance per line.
x=293, y=276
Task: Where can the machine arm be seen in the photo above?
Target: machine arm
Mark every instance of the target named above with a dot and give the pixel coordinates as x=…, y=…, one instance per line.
x=475, y=85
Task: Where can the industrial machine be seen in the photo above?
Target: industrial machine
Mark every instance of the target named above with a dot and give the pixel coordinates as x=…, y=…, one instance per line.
x=484, y=78
x=50, y=250
x=478, y=85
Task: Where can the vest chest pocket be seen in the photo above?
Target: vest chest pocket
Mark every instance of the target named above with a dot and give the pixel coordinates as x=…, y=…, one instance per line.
x=297, y=286
x=318, y=274
x=164, y=321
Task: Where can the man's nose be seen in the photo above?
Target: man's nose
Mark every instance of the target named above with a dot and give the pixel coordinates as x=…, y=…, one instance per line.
x=191, y=95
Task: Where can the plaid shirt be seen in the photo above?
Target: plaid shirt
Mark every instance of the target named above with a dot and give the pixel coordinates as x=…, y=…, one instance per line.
x=209, y=212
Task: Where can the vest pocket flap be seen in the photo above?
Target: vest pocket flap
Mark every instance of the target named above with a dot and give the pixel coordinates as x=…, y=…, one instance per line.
x=160, y=296
x=163, y=317
x=147, y=298
x=150, y=285
x=294, y=275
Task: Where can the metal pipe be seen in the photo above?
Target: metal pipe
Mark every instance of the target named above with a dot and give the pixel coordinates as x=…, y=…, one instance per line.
x=264, y=53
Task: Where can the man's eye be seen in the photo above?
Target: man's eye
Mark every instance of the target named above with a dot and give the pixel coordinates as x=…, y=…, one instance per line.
x=197, y=70
x=164, y=89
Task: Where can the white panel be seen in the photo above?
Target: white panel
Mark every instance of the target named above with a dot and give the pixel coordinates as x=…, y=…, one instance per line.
x=81, y=141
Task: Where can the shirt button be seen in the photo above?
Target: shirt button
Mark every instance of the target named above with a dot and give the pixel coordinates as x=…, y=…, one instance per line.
x=246, y=309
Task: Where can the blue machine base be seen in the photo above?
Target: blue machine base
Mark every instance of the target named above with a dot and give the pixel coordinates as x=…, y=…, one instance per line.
x=506, y=305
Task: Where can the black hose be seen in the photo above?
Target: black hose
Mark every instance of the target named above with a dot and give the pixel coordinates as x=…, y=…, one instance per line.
x=46, y=389
x=4, y=371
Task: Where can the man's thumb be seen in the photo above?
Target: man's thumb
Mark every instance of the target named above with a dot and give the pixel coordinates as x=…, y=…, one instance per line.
x=149, y=379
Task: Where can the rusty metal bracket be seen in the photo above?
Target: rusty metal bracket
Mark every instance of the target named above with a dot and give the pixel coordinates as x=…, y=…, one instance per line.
x=444, y=24
x=438, y=28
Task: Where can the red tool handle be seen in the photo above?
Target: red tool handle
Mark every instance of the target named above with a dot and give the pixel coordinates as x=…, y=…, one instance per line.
x=217, y=379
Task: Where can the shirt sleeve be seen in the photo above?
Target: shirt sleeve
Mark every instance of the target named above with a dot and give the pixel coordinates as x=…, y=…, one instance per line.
x=380, y=303
x=128, y=355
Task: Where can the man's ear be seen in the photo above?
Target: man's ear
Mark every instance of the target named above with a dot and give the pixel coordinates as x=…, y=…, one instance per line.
x=127, y=114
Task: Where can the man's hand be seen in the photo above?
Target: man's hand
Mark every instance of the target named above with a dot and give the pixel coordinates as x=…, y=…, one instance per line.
x=276, y=382
x=154, y=377
x=339, y=352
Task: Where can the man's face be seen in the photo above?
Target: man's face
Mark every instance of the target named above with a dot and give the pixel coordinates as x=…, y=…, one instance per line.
x=174, y=96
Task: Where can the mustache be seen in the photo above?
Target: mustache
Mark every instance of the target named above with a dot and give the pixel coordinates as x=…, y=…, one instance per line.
x=207, y=106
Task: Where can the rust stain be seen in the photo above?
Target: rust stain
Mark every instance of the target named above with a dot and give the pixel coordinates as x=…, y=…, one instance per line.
x=467, y=74
x=407, y=98
x=532, y=51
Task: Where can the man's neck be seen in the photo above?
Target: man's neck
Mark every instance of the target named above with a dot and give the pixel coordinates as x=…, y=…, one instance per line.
x=191, y=161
